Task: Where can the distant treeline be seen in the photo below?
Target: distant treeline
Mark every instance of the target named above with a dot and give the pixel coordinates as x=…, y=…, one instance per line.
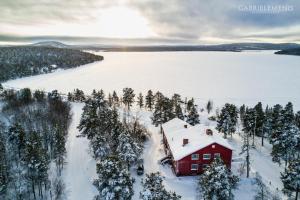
x=21, y=61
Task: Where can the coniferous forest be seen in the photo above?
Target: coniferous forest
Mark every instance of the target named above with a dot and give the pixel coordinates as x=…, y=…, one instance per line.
x=16, y=62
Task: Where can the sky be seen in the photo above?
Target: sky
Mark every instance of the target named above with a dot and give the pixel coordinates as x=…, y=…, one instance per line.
x=154, y=22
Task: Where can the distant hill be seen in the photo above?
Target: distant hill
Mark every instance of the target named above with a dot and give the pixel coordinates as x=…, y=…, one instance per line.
x=20, y=61
x=50, y=44
x=294, y=51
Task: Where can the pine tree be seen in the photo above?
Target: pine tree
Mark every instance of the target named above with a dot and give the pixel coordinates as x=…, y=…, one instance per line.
x=277, y=122
x=291, y=178
x=100, y=146
x=114, y=181
x=297, y=119
x=25, y=95
x=39, y=95
x=153, y=189
x=59, y=148
x=115, y=98
x=128, y=150
x=163, y=111
x=227, y=119
x=110, y=100
x=286, y=145
x=209, y=106
x=246, y=148
x=17, y=138
x=190, y=104
x=176, y=100
x=288, y=113
x=89, y=119
x=140, y=99
x=37, y=162
x=193, y=116
x=128, y=97
x=217, y=182
x=149, y=100
x=260, y=118
x=178, y=112
x=267, y=125
x=4, y=168
x=242, y=112
x=249, y=123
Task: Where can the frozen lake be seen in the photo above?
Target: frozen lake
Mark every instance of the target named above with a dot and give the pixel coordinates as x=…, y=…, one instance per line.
x=246, y=77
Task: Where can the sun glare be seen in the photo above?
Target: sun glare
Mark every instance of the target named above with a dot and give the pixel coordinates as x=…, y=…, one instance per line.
x=123, y=22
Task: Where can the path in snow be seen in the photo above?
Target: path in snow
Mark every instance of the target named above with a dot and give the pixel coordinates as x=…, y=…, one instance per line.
x=80, y=169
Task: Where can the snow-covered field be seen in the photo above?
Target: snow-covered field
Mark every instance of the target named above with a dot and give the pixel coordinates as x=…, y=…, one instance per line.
x=246, y=77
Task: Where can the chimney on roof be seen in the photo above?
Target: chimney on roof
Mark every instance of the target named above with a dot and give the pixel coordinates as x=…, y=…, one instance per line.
x=209, y=132
x=185, y=142
x=185, y=126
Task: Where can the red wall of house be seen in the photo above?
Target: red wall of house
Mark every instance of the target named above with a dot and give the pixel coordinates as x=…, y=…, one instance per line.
x=183, y=167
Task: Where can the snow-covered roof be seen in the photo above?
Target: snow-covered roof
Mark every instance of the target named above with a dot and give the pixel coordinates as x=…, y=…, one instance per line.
x=175, y=132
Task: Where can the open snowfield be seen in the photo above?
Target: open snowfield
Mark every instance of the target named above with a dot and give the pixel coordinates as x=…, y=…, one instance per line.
x=245, y=77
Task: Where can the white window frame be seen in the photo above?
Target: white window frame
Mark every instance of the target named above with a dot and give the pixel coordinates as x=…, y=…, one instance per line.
x=197, y=156
x=217, y=155
x=194, y=169
x=206, y=158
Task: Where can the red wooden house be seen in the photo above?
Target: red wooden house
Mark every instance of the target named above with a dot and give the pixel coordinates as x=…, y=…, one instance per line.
x=192, y=148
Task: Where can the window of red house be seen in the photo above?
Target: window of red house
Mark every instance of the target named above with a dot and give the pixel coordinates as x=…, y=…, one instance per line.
x=217, y=155
x=206, y=156
x=194, y=167
x=195, y=156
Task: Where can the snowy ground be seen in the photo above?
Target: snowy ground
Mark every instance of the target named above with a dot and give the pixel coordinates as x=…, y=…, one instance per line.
x=80, y=169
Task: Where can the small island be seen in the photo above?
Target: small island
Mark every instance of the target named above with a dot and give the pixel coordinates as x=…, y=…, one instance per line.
x=293, y=51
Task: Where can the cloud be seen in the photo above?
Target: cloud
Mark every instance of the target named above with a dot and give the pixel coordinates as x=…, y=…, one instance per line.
x=228, y=20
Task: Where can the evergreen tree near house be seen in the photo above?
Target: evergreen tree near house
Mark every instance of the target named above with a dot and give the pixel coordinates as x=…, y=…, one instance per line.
x=128, y=97
x=178, y=112
x=163, y=111
x=149, y=100
x=128, y=150
x=217, y=182
x=193, y=116
x=190, y=103
x=227, y=119
x=140, y=100
x=291, y=178
x=114, y=181
x=176, y=100
x=249, y=123
x=209, y=106
x=153, y=189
